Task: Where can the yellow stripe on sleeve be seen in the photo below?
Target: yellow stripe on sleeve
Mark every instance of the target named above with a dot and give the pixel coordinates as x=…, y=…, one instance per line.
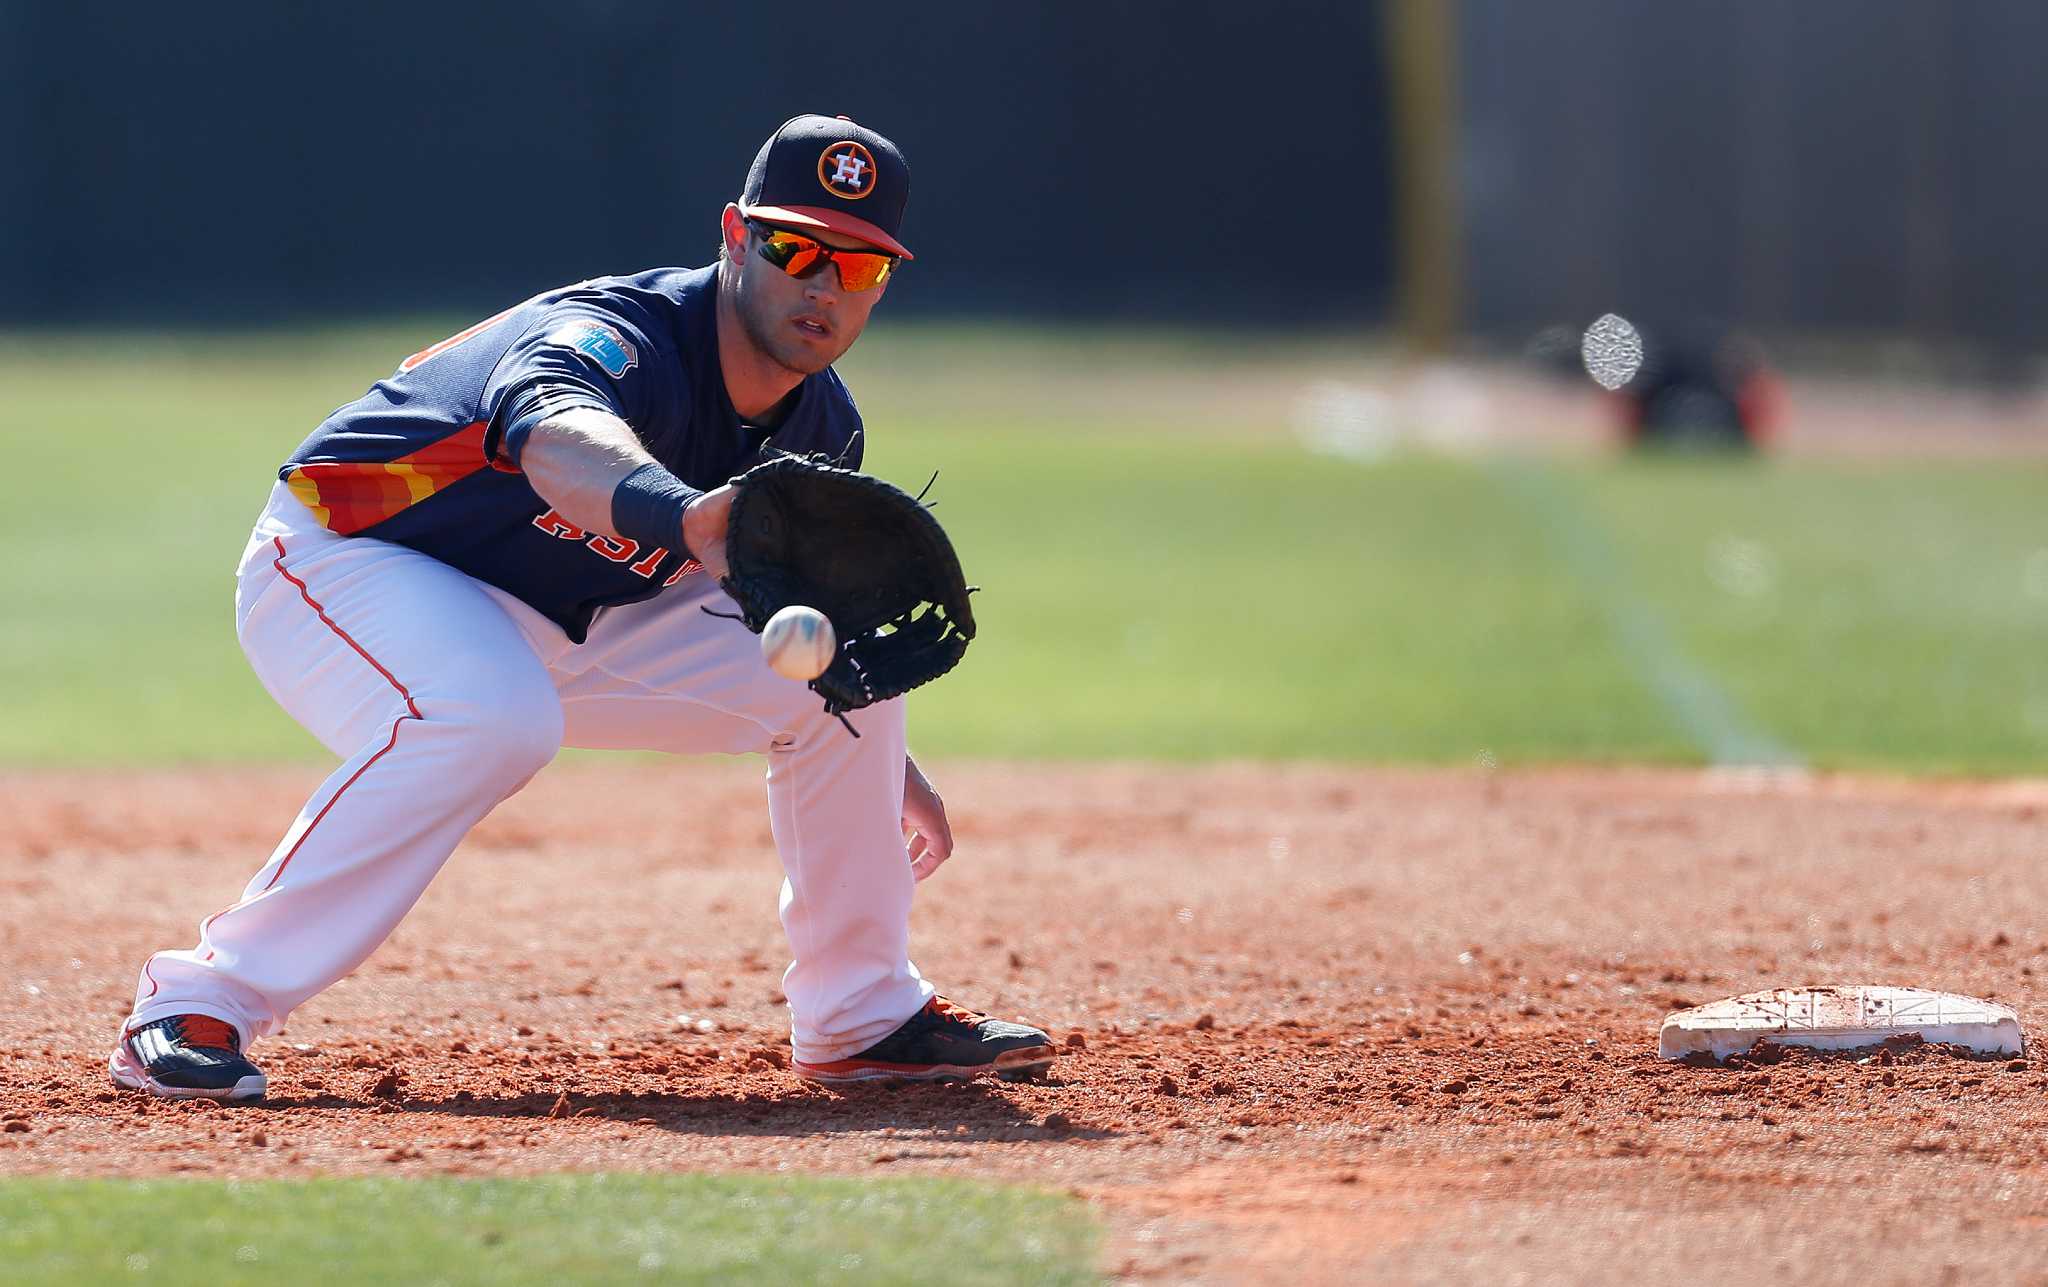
x=308, y=492
x=416, y=482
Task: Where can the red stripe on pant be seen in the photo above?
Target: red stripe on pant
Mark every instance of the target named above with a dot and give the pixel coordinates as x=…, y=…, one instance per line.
x=412, y=712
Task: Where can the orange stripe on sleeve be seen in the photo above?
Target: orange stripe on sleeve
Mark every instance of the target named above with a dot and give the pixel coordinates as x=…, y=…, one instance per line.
x=351, y=496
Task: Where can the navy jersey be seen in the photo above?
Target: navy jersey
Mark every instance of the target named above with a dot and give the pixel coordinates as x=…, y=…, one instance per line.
x=429, y=457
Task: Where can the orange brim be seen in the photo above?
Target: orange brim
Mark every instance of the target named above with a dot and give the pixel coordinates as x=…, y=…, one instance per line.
x=831, y=221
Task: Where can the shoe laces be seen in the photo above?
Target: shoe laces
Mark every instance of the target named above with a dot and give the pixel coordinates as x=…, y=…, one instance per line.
x=945, y=1009
x=207, y=1032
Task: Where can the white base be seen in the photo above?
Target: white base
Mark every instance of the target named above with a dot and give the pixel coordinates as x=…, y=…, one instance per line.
x=1839, y=1018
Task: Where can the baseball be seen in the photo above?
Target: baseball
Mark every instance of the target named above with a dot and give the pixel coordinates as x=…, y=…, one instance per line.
x=798, y=642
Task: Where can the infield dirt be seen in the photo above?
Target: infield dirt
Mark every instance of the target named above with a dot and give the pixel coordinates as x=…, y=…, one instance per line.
x=1320, y=1024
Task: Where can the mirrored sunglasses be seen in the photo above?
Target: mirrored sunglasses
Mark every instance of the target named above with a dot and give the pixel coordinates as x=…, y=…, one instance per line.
x=802, y=256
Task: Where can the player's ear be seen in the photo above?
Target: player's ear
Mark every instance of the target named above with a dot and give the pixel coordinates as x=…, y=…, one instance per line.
x=734, y=229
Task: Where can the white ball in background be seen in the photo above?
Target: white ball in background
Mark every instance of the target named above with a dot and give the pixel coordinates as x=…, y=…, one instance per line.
x=798, y=643
x=1612, y=350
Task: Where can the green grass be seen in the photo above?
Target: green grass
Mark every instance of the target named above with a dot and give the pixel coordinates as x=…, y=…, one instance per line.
x=550, y=1230
x=1167, y=573
x=1874, y=615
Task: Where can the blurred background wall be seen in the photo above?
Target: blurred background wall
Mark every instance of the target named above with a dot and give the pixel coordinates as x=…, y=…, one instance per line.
x=246, y=162
x=1870, y=167
x=1473, y=168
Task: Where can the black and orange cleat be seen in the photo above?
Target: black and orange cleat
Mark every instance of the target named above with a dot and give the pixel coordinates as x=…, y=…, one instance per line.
x=944, y=1042
x=187, y=1056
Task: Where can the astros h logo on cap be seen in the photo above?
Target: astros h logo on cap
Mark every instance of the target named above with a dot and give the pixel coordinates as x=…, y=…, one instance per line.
x=847, y=170
x=830, y=173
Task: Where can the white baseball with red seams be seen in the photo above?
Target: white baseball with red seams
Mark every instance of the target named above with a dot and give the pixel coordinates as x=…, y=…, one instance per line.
x=798, y=643
x=443, y=695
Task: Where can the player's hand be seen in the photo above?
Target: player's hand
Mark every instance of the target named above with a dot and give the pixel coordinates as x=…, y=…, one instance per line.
x=927, y=836
x=704, y=525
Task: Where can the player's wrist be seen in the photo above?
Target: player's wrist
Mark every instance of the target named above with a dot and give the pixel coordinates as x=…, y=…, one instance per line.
x=706, y=518
x=649, y=506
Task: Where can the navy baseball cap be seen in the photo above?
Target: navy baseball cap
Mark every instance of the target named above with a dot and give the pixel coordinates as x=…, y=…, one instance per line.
x=827, y=172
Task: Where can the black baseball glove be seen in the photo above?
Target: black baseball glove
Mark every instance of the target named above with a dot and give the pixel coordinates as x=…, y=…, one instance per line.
x=865, y=553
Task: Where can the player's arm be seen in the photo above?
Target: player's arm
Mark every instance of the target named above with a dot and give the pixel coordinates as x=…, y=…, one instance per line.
x=592, y=468
x=561, y=407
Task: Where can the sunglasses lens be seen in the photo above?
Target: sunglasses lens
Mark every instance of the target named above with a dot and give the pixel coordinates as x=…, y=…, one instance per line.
x=800, y=256
x=792, y=254
x=863, y=272
x=805, y=261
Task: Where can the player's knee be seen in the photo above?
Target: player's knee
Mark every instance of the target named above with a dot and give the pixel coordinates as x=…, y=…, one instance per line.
x=530, y=748
x=525, y=735
x=509, y=735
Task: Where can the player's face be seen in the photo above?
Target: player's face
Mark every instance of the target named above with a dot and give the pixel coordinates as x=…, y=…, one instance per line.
x=802, y=324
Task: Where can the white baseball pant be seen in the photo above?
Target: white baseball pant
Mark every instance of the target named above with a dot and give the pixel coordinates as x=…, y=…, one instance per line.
x=444, y=695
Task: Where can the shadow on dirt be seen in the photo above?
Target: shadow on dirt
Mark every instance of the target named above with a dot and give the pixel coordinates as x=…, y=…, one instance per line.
x=959, y=1111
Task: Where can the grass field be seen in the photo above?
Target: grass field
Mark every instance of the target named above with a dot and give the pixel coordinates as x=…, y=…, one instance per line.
x=654, y=1228
x=1168, y=574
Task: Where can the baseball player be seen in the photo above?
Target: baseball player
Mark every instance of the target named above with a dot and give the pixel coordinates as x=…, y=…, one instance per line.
x=502, y=549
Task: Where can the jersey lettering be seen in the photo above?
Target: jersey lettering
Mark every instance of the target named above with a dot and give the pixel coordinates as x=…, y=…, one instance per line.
x=616, y=549
x=689, y=566
x=555, y=525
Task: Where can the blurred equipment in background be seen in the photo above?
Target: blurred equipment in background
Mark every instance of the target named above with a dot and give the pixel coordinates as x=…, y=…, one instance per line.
x=1699, y=388
x=1693, y=385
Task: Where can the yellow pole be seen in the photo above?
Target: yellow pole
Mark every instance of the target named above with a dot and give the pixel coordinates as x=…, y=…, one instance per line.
x=1422, y=75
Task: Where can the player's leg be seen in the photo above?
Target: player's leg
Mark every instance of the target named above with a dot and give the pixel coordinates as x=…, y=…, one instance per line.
x=662, y=675
x=439, y=708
